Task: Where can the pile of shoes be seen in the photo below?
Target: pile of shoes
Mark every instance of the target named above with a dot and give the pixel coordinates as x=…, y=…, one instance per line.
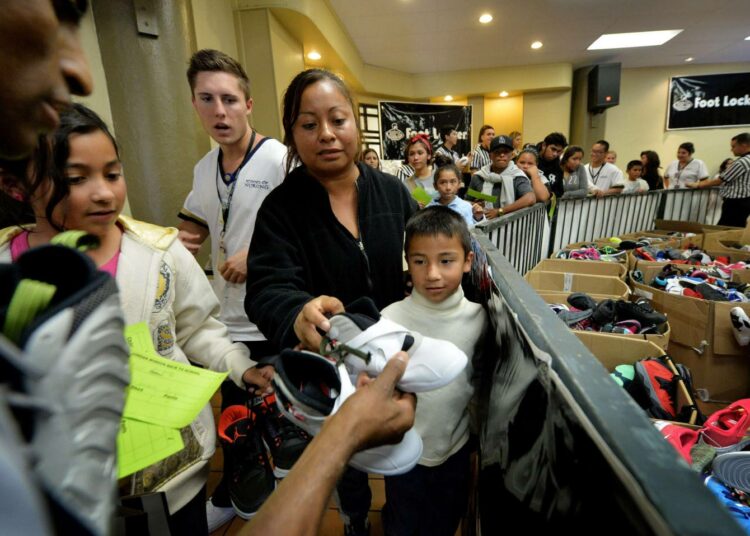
x=583, y=313
x=720, y=451
x=592, y=252
x=689, y=255
x=263, y=445
x=711, y=283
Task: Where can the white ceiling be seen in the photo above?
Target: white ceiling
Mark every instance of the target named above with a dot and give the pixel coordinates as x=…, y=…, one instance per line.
x=427, y=36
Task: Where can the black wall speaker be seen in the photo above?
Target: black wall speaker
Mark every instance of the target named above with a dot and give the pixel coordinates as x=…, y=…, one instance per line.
x=604, y=87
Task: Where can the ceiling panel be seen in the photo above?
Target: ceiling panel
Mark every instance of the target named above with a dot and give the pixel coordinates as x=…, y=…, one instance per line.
x=424, y=36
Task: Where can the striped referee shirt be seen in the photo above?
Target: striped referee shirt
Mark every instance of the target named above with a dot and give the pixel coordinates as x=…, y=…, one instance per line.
x=735, y=181
x=481, y=157
x=450, y=153
x=404, y=172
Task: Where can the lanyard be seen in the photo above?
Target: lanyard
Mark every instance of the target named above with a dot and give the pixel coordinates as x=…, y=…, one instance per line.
x=230, y=179
x=680, y=170
x=595, y=178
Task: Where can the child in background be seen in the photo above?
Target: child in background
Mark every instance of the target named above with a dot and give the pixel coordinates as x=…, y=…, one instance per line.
x=371, y=158
x=527, y=162
x=634, y=184
x=160, y=282
x=418, y=153
x=432, y=497
x=447, y=184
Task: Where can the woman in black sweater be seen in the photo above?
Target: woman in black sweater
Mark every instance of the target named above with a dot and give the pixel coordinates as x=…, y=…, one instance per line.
x=329, y=234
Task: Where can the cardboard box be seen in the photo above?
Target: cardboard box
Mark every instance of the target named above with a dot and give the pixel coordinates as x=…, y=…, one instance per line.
x=610, y=269
x=719, y=240
x=659, y=339
x=689, y=226
x=612, y=287
x=702, y=339
x=623, y=351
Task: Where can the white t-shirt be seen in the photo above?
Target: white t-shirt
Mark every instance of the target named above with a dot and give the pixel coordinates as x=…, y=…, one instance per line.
x=263, y=172
x=635, y=187
x=604, y=177
x=693, y=171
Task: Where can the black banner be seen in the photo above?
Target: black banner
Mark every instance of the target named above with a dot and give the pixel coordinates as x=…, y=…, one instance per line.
x=399, y=121
x=714, y=100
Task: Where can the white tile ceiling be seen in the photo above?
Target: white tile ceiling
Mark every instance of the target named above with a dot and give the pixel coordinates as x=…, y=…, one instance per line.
x=426, y=36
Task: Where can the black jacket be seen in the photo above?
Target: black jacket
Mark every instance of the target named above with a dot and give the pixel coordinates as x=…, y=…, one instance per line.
x=554, y=172
x=300, y=250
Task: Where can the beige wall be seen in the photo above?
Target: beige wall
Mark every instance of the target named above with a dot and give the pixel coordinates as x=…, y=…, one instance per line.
x=256, y=55
x=506, y=115
x=288, y=59
x=639, y=122
x=544, y=113
x=271, y=57
x=214, y=25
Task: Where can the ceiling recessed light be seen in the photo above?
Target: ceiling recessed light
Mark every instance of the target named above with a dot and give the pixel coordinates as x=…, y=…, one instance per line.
x=632, y=39
x=689, y=59
x=747, y=38
x=314, y=55
x=503, y=93
x=486, y=18
x=536, y=44
x=448, y=98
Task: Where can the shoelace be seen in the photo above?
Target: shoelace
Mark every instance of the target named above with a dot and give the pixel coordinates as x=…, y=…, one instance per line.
x=331, y=348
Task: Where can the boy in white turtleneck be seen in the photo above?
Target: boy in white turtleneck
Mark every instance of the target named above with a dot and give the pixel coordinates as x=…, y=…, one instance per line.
x=432, y=497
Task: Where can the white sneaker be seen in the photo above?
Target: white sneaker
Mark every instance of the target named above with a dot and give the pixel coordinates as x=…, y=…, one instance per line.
x=218, y=515
x=310, y=388
x=740, y=325
x=366, y=342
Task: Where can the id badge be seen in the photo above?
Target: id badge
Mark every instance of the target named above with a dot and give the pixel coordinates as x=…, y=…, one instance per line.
x=222, y=257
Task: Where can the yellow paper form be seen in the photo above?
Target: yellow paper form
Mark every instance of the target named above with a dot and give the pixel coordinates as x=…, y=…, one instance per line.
x=140, y=444
x=161, y=391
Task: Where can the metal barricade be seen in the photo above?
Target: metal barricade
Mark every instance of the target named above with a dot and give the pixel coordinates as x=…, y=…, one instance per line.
x=563, y=447
x=702, y=206
x=522, y=236
x=525, y=237
x=590, y=218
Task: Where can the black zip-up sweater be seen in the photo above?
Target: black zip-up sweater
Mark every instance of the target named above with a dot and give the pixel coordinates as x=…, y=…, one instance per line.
x=300, y=250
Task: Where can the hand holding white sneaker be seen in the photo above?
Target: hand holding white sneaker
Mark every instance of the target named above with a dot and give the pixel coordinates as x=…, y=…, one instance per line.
x=366, y=341
x=311, y=388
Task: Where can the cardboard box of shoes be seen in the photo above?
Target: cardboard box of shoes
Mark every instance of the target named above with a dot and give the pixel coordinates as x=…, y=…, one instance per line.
x=702, y=338
x=610, y=269
x=611, y=287
x=625, y=352
x=689, y=227
x=659, y=339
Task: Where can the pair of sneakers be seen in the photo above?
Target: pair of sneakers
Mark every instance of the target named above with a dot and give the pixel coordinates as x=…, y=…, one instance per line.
x=260, y=445
x=311, y=387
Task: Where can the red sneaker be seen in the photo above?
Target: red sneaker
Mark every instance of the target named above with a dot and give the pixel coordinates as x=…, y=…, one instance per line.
x=727, y=426
x=681, y=438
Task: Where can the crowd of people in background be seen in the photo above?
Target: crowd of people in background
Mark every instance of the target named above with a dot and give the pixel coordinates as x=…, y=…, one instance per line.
x=552, y=168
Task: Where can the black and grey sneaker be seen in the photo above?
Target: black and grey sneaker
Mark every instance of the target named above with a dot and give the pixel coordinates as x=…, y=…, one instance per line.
x=252, y=480
x=284, y=440
x=582, y=301
x=641, y=311
x=65, y=317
